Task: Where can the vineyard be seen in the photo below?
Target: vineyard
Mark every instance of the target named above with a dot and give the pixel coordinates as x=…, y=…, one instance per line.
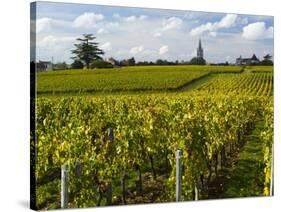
x=251, y=84
x=120, y=149
x=123, y=79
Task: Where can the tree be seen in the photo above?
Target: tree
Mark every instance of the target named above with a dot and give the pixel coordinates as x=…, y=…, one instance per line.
x=131, y=61
x=267, y=60
x=197, y=61
x=161, y=62
x=101, y=64
x=60, y=66
x=77, y=64
x=86, y=50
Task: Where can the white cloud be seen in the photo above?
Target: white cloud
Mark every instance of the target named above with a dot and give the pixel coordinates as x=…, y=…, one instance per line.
x=171, y=23
x=257, y=31
x=163, y=49
x=226, y=22
x=88, y=20
x=143, y=17
x=48, y=24
x=152, y=33
x=53, y=41
x=134, y=18
x=106, y=46
x=136, y=49
x=131, y=18
x=107, y=27
x=43, y=24
x=102, y=31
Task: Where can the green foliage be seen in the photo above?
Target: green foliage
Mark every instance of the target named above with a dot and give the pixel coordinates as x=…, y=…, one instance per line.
x=259, y=68
x=267, y=60
x=128, y=62
x=197, y=61
x=124, y=79
x=267, y=136
x=73, y=129
x=201, y=123
x=101, y=64
x=137, y=78
x=77, y=64
x=248, y=84
x=60, y=66
x=86, y=50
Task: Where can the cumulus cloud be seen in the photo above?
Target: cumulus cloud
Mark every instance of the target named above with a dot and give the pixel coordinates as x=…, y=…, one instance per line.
x=106, y=46
x=131, y=18
x=88, y=20
x=134, y=18
x=56, y=43
x=143, y=17
x=102, y=31
x=43, y=24
x=107, y=27
x=172, y=23
x=163, y=49
x=136, y=49
x=48, y=24
x=226, y=22
x=118, y=39
x=257, y=31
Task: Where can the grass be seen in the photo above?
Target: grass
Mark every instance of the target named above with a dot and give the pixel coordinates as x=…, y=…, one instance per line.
x=246, y=177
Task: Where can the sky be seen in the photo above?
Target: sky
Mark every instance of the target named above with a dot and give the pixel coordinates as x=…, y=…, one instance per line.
x=150, y=34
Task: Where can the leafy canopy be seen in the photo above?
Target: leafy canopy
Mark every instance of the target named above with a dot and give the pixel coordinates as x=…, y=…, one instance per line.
x=86, y=50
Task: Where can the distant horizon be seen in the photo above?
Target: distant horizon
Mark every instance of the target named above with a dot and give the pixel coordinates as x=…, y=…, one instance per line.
x=150, y=34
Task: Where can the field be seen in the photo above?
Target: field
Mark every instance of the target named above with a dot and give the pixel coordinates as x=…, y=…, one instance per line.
x=260, y=68
x=125, y=143
x=123, y=79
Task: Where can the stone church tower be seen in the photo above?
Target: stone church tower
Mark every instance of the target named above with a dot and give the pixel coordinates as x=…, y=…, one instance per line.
x=200, y=51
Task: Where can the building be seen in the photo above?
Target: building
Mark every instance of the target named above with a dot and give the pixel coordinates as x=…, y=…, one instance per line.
x=247, y=61
x=200, y=53
x=199, y=59
x=112, y=61
x=44, y=66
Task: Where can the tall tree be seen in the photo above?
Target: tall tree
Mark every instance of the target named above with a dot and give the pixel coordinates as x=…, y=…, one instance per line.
x=86, y=50
x=267, y=60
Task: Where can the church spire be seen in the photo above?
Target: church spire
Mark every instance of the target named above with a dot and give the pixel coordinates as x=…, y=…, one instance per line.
x=200, y=50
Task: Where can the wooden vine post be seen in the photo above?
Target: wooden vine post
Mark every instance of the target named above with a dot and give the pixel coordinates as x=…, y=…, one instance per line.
x=178, y=174
x=64, y=185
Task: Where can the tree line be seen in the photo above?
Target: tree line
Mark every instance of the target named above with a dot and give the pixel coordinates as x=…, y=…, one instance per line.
x=88, y=55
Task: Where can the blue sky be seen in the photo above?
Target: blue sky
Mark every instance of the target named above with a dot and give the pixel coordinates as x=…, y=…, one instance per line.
x=150, y=34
